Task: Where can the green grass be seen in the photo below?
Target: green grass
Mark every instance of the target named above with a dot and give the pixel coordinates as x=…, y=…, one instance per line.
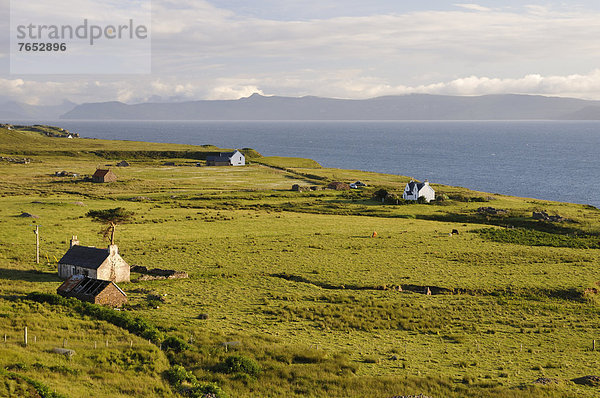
x=292, y=284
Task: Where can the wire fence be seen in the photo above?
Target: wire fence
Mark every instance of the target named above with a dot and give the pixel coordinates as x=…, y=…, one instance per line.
x=38, y=341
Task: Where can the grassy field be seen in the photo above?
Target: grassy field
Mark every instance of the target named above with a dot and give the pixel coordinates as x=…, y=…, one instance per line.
x=289, y=295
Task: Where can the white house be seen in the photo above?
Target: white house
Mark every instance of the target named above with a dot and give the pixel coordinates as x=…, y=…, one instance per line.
x=414, y=190
x=96, y=263
x=235, y=158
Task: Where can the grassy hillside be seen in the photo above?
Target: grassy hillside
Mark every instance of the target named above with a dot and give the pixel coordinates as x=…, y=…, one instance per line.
x=289, y=294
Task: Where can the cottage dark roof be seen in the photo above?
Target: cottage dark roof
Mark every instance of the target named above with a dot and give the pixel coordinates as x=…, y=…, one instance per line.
x=411, y=185
x=101, y=173
x=221, y=157
x=86, y=257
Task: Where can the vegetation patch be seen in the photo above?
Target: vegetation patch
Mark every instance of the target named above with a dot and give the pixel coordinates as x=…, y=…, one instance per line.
x=529, y=237
x=134, y=324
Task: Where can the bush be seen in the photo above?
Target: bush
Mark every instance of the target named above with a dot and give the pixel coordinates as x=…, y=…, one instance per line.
x=207, y=390
x=380, y=194
x=177, y=375
x=240, y=364
x=175, y=343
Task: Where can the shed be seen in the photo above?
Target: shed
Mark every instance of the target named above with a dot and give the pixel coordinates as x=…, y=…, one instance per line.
x=235, y=158
x=105, y=264
x=123, y=163
x=93, y=291
x=104, y=175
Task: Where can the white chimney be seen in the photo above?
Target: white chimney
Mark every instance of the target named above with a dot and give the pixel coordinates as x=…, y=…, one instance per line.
x=74, y=241
x=113, y=250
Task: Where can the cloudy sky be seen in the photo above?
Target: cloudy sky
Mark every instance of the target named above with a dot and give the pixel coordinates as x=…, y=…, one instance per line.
x=227, y=49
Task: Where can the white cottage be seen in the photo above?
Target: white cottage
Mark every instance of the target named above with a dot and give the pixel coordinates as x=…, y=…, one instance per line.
x=235, y=158
x=96, y=263
x=414, y=190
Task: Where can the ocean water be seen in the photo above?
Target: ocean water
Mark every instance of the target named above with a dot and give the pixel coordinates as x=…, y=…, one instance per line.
x=539, y=159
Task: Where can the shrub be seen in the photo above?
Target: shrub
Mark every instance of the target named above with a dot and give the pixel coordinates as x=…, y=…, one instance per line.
x=380, y=194
x=207, y=390
x=240, y=364
x=177, y=375
x=175, y=343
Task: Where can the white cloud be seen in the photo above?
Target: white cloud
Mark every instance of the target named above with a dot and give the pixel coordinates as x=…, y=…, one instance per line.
x=233, y=91
x=202, y=51
x=338, y=84
x=474, y=7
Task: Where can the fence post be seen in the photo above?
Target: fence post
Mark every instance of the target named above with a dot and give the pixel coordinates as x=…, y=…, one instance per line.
x=25, y=336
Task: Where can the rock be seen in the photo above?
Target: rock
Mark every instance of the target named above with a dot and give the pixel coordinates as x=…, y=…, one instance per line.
x=64, y=351
x=339, y=186
x=300, y=188
x=592, y=381
x=543, y=216
x=27, y=215
x=203, y=316
x=545, y=381
x=491, y=211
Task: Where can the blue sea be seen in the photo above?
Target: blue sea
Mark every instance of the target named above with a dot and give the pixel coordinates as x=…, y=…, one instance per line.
x=551, y=160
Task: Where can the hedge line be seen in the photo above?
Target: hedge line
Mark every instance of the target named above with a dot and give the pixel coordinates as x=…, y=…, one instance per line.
x=133, y=324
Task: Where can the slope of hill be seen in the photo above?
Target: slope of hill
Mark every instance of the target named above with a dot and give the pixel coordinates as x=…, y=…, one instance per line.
x=291, y=294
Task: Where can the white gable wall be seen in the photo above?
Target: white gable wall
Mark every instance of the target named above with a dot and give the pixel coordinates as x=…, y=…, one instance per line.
x=427, y=192
x=238, y=159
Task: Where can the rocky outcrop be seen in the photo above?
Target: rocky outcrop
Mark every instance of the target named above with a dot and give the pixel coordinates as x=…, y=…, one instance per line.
x=543, y=216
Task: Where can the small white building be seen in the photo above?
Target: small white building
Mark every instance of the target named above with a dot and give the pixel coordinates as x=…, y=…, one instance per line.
x=93, y=262
x=414, y=190
x=235, y=158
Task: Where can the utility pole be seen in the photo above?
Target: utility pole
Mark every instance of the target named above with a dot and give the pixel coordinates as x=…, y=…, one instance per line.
x=37, y=244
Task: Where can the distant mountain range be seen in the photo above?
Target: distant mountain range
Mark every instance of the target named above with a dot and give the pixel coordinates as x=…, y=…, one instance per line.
x=258, y=107
x=406, y=107
x=11, y=110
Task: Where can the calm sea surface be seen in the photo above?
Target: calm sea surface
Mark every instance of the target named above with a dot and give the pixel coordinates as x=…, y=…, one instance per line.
x=546, y=160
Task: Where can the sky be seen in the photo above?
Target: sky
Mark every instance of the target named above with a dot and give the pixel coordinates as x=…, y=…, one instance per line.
x=228, y=49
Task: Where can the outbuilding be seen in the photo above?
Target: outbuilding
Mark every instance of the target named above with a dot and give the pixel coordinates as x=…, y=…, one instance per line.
x=93, y=291
x=104, y=175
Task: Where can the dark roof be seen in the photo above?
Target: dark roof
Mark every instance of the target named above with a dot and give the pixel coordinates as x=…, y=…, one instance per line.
x=70, y=283
x=101, y=172
x=82, y=286
x=411, y=185
x=218, y=158
x=86, y=257
x=221, y=157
